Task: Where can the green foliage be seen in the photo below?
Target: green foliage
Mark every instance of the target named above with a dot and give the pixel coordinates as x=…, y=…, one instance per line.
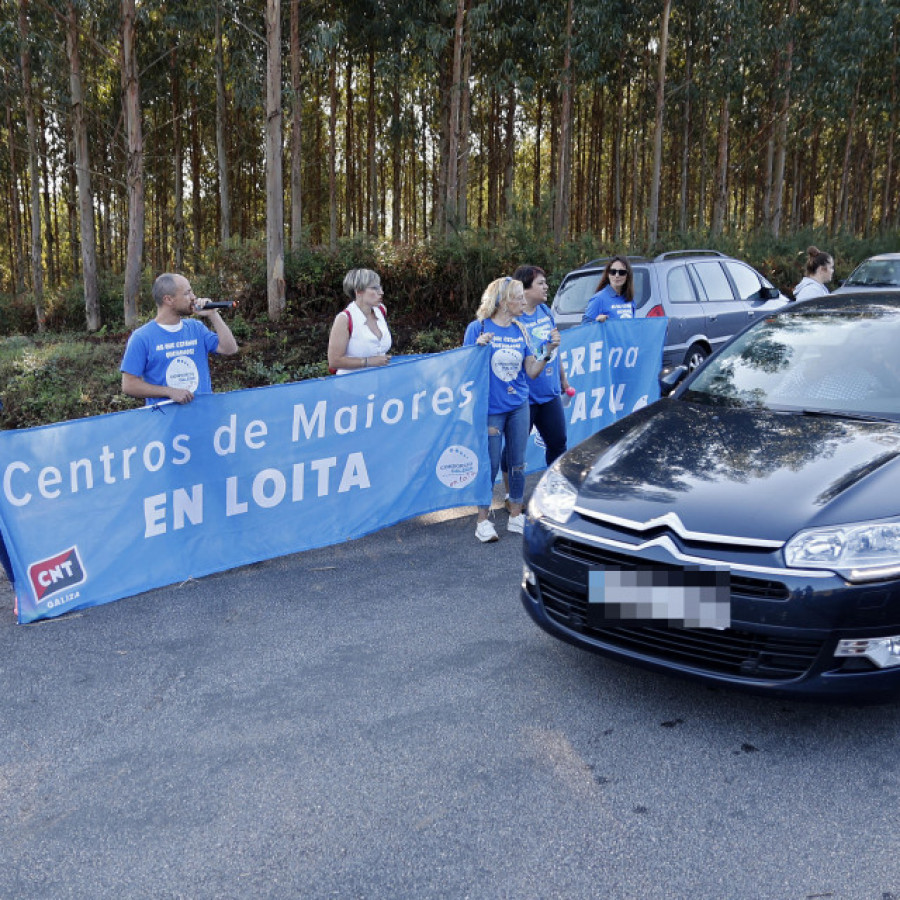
x=431, y=292
x=57, y=377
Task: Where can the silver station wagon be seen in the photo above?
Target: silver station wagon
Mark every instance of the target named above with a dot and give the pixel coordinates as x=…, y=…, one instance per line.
x=707, y=297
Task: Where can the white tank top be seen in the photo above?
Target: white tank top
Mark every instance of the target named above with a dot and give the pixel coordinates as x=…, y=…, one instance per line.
x=363, y=341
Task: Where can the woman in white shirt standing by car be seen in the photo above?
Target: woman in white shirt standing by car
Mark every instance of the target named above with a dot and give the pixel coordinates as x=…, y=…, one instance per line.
x=819, y=270
x=360, y=337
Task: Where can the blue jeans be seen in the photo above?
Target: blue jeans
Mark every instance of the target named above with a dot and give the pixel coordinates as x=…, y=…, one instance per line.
x=550, y=420
x=514, y=427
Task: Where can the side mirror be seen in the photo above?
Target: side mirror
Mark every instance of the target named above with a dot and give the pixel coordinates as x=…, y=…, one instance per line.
x=671, y=379
x=769, y=293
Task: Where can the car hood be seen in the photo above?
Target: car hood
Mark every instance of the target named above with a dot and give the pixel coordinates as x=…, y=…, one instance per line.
x=749, y=473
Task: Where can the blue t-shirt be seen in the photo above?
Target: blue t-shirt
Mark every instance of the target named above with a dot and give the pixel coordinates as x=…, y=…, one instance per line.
x=539, y=324
x=508, y=382
x=172, y=358
x=608, y=303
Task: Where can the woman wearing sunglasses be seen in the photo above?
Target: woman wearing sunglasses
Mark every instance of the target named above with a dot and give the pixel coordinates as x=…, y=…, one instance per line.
x=615, y=293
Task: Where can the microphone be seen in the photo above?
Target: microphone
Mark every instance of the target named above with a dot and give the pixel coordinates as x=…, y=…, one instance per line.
x=218, y=304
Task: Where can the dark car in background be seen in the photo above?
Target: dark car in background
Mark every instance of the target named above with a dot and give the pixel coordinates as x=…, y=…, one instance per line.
x=744, y=530
x=877, y=273
x=706, y=296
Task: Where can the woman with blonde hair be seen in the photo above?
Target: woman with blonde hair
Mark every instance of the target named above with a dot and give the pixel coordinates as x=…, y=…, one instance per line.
x=360, y=337
x=512, y=359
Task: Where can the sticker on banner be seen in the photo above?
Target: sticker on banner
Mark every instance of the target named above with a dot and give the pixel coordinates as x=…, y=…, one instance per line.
x=457, y=467
x=50, y=576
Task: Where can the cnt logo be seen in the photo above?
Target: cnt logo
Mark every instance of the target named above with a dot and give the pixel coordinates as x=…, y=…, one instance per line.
x=55, y=574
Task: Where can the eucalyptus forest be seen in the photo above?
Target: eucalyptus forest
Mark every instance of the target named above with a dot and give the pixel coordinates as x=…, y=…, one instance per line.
x=139, y=135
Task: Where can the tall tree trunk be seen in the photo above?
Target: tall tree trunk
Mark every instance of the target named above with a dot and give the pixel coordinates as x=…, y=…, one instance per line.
x=18, y=249
x=509, y=152
x=720, y=201
x=686, y=134
x=83, y=174
x=462, y=203
x=131, y=103
x=196, y=201
x=372, y=205
x=332, y=153
x=349, y=151
x=653, y=215
x=274, y=177
x=396, y=164
x=564, y=170
x=888, y=195
x=49, y=235
x=37, y=271
x=178, y=161
x=781, y=126
x=538, y=127
x=296, y=131
x=222, y=155
x=843, y=201
x=72, y=228
x=451, y=197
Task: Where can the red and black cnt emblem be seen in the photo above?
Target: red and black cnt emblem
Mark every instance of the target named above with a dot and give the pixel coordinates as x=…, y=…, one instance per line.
x=56, y=574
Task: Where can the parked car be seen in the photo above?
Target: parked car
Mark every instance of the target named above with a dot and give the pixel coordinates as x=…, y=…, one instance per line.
x=877, y=273
x=744, y=530
x=706, y=295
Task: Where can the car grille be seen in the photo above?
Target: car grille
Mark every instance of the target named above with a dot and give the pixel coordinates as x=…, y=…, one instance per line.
x=729, y=651
x=741, y=585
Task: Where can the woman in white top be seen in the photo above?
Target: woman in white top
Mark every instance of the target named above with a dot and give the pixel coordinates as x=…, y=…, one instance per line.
x=819, y=269
x=360, y=337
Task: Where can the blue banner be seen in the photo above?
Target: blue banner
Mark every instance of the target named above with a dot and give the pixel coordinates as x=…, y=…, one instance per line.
x=101, y=508
x=614, y=368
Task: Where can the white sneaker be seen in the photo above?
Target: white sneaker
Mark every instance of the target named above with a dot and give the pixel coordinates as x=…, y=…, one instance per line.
x=485, y=532
x=516, y=524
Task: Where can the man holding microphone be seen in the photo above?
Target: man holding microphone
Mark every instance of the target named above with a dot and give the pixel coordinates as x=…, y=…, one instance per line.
x=167, y=359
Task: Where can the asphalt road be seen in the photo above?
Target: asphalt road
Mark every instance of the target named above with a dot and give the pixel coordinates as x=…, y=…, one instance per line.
x=382, y=720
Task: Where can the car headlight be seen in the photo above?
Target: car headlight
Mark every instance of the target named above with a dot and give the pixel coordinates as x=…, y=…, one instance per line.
x=553, y=498
x=866, y=552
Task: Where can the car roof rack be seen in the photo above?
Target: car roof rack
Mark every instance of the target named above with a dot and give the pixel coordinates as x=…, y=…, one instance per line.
x=603, y=260
x=673, y=254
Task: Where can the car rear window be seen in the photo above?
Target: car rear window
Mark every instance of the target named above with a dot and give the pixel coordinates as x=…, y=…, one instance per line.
x=578, y=287
x=575, y=291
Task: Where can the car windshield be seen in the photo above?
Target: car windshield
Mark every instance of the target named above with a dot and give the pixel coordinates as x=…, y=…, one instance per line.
x=837, y=361
x=579, y=287
x=876, y=273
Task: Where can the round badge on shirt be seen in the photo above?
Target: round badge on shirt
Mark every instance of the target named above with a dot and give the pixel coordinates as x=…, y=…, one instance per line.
x=182, y=373
x=506, y=363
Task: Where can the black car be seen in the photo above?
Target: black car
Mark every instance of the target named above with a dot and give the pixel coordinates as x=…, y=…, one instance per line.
x=706, y=296
x=744, y=530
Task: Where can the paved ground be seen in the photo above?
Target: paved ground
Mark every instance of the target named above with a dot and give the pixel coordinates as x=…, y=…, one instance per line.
x=382, y=720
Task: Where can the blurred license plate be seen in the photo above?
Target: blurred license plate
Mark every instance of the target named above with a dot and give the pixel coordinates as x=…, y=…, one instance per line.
x=689, y=598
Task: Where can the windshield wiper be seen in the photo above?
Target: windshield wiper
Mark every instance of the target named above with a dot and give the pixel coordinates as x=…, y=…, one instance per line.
x=844, y=414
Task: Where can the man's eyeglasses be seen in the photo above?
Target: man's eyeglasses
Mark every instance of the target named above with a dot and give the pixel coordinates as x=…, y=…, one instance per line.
x=618, y=271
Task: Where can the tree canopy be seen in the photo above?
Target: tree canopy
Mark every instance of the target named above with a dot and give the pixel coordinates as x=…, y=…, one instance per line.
x=416, y=119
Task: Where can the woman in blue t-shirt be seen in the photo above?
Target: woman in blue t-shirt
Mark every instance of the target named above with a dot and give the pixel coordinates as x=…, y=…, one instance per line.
x=512, y=359
x=615, y=293
x=544, y=392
